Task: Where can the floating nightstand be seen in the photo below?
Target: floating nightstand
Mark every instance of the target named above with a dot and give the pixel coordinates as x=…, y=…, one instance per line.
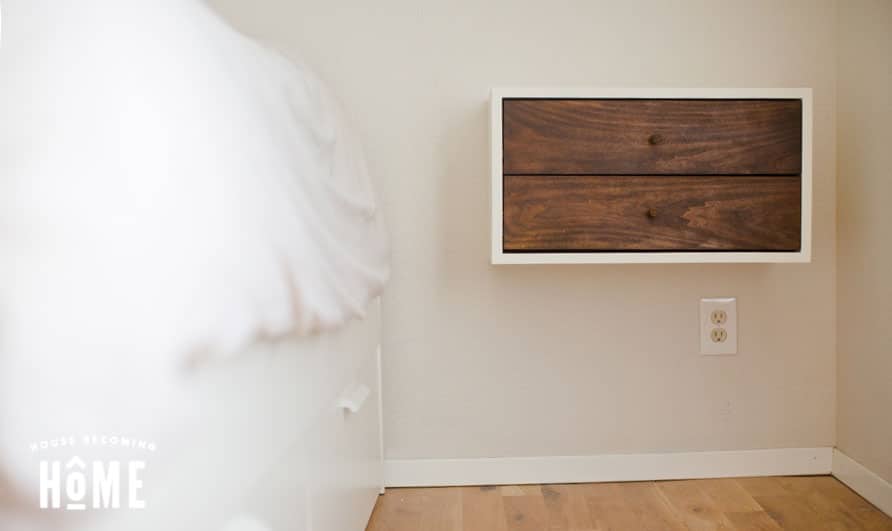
x=651, y=175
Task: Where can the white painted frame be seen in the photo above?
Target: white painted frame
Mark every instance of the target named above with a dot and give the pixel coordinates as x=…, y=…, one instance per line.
x=501, y=257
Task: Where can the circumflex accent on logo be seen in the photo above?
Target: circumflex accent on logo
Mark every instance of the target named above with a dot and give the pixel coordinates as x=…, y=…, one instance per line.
x=78, y=484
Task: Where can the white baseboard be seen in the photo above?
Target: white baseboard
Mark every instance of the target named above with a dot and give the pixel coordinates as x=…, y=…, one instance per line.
x=870, y=486
x=608, y=467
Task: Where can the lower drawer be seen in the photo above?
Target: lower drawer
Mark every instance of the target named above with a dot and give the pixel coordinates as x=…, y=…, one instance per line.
x=651, y=213
x=344, y=455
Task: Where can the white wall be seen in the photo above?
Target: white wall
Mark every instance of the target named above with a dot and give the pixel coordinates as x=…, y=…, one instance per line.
x=486, y=361
x=865, y=242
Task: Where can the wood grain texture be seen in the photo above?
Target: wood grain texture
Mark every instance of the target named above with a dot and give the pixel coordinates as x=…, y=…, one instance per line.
x=482, y=508
x=526, y=513
x=812, y=503
x=567, y=508
x=692, y=505
x=650, y=213
x=629, y=137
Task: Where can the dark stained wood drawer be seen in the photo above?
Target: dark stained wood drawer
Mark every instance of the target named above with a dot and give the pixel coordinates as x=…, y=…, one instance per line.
x=652, y=136
x=651, y=213
x=651, y=175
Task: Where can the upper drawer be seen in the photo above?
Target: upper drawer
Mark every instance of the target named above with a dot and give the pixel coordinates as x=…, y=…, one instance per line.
x=652, y=136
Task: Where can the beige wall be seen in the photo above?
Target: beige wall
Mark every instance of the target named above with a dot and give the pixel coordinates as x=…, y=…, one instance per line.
x=484, y=361
x=865, y=233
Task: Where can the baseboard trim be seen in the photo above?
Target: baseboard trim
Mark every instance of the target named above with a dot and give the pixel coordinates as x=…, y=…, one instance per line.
x=608, y=467
x=860, y=479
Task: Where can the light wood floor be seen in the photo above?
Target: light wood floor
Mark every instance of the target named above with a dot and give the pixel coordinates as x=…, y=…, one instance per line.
x=813, y=503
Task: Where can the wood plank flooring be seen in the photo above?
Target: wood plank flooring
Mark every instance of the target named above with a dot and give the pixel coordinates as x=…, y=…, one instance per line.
x=810, y=503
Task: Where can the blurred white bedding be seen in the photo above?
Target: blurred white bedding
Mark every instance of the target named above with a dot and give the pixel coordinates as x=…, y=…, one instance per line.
x=168, y=189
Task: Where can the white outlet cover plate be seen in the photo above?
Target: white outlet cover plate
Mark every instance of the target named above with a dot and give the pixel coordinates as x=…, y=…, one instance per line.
x=708, y=347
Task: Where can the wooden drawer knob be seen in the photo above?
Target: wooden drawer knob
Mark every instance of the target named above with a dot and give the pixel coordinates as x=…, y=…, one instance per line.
x=656, y=139
x=652, y=213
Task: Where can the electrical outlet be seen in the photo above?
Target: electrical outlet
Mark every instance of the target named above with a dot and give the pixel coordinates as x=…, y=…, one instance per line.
x=718, y=326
